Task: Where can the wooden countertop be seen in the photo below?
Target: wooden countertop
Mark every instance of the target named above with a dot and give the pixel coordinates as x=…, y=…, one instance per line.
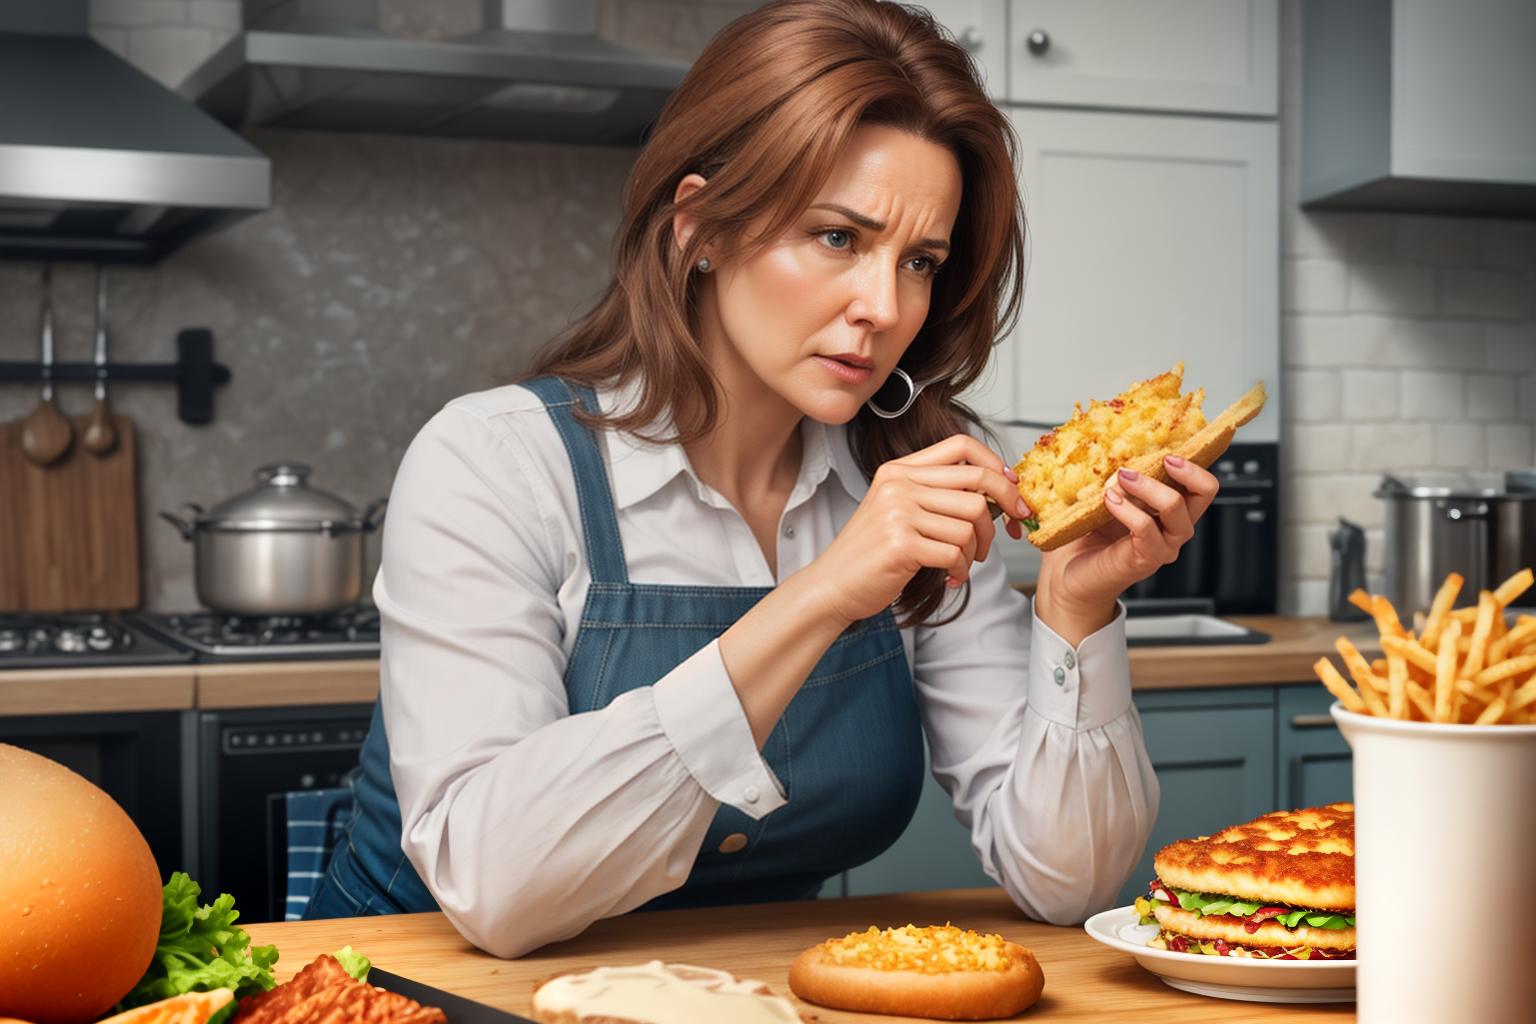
x=1084, y=981
x=1287, y=658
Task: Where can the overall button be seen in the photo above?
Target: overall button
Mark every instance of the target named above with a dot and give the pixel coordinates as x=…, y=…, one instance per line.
x=733, y=843
x=1071, y=660
x=789, y=531
x=1060, y=675
x=751, y=794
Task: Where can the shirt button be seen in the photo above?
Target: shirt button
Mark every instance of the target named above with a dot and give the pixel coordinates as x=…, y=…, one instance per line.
x=751, y=794
x=1071, y=660
x=1060, y=675
x=789, y=530
x=733, y=843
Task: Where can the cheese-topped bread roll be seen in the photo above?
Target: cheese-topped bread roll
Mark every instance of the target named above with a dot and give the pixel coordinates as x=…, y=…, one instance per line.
x=944, y=972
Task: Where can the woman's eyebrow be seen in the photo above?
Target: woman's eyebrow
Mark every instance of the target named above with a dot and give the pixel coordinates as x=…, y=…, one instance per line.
x=870, y=224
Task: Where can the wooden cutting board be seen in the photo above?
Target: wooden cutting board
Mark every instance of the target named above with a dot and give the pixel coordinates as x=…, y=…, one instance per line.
x=12, y=509
x=80, y=527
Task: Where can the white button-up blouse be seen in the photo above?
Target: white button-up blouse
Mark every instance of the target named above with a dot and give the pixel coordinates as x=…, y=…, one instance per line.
x=527, y=822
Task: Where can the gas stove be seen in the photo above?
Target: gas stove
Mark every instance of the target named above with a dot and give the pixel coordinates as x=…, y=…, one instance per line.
x=213, y=636
x=79, y=640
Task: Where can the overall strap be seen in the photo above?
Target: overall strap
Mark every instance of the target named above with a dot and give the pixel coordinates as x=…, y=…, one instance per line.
x=599, y=524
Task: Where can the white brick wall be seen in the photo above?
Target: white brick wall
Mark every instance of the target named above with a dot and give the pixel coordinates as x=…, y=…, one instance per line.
x=1409, y=342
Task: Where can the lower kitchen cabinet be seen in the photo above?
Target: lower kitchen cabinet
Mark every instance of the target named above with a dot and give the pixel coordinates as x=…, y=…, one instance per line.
x=1315, y=766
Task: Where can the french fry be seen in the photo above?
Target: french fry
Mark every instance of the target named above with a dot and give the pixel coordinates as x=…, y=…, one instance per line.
x=1525, y=696
x=1492, y=712
x=1465, y=616
x=1397, y=685
x=1522, y=634
x=1414, y=652
x=1445, y=670
x=1481, y=694
x=1512, y=588
x=1478, y=648
x=1338, y=687
x=1387, y=621
x=1371, y=688
x=1506, y=670
x=1379, y=668
x=1498, y=650
x=1420, y=698
x=1444, y=598
x=1360, y=599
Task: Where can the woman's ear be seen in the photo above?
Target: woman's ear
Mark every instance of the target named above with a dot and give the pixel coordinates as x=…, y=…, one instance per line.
x=684, y=224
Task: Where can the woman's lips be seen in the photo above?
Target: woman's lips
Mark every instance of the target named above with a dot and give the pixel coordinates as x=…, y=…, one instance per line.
x=845, y=372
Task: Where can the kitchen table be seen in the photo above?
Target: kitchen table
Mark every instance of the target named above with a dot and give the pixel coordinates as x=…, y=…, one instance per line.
x=1084, y=981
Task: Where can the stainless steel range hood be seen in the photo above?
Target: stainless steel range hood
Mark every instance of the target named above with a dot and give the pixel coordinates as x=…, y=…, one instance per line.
x=536, y=71
x=98, y=161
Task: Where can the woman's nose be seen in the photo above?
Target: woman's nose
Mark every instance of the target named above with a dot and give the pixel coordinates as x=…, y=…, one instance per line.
x=875, y=299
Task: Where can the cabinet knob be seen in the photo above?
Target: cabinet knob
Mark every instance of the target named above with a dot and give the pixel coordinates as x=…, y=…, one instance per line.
x=1038, y=42
x=969, y=40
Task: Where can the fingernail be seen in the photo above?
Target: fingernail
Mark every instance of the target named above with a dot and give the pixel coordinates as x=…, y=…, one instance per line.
x=1129, y=475
x=1175, y=461
x=1023, y=509
x=1112, y=496
x=1008, y=472
x=951, y=582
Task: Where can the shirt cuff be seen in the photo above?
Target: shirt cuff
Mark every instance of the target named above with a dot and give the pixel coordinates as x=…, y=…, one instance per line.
x=1086, y=687
x=703, y=720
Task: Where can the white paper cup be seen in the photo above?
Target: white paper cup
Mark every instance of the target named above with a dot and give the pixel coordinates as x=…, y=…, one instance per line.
x=1445, y=870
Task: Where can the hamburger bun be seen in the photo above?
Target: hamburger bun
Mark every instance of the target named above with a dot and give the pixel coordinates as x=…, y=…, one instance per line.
x=1270, y=933
x=80, y=894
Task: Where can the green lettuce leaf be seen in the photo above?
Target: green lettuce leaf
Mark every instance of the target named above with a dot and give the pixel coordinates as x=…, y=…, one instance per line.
x=1208, y=904
x=353, y=962
x=201, y=948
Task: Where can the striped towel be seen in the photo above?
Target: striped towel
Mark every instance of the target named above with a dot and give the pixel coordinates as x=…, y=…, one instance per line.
x=317, y=821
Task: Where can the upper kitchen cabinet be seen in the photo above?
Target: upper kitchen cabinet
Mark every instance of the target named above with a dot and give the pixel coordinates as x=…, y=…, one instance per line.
x=1152, y=239
x=981, y=26
x=1203, y=56
x=1419, y=105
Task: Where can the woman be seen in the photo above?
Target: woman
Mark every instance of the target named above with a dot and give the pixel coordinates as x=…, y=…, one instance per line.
x=666, y=624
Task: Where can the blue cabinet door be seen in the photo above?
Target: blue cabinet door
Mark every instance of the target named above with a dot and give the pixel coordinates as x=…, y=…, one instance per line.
x=1214, y=752
x=1315, y=763
x=933, y=853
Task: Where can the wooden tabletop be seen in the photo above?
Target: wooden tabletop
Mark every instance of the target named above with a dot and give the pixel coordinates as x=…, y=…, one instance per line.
x=1084, y=981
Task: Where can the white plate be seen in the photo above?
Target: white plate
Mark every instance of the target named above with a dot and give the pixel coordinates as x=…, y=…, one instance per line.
x=1226, y=977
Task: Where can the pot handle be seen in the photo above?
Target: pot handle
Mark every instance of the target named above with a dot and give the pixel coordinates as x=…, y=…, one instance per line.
x=183, y=526
x=373, y=515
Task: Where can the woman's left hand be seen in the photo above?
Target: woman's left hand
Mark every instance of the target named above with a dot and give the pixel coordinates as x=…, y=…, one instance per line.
x=1080, y=582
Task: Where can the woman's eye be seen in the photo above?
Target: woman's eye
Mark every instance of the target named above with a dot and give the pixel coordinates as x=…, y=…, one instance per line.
x=922, y=264
x=837, y=238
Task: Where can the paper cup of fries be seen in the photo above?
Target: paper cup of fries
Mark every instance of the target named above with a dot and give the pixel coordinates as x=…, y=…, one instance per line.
x=1443, y=730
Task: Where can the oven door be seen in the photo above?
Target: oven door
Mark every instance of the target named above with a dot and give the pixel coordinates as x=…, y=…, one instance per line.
x=245, y=758
x=134, y=756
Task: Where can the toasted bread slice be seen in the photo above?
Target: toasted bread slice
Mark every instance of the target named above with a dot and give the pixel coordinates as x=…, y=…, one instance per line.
x=1088, y=512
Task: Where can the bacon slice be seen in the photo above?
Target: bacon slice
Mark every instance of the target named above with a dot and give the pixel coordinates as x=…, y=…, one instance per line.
x=324, y=993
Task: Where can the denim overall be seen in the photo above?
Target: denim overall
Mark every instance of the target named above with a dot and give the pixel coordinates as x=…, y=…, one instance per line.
x=848, y=749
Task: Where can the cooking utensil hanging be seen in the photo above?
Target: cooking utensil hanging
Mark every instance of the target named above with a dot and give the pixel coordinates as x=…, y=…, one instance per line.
x=100, y=437
x=46, y=435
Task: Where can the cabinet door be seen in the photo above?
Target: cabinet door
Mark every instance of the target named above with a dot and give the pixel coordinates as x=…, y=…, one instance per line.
x=981, y=26
x=1208, y=56
x=933, y=853
x=1214, y=752
x=1151, y=240
x=1315, y=763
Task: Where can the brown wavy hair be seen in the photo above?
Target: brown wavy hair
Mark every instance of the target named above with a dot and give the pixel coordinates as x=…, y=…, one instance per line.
x=763, y=116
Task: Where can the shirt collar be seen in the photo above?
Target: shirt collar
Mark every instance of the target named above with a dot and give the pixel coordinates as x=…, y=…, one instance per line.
x=640, y=468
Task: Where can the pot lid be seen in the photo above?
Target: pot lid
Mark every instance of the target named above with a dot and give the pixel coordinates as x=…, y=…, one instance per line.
x=1455, y=485
x=282, y=495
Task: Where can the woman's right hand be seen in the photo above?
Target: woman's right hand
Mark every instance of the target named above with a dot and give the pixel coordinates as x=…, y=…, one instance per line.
x=924, y=510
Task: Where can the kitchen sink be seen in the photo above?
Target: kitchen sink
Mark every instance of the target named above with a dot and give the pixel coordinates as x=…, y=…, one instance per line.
x=1142, y=630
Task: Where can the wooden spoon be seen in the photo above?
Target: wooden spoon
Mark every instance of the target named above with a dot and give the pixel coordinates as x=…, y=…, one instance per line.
x=46, y=435
x=100, y=436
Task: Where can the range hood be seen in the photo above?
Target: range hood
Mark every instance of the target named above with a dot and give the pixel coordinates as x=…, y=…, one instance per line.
x=536, y=70
x=98, y=161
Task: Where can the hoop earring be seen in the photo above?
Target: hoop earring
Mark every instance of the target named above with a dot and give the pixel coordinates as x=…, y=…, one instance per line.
x=913, y=390
x=704, y=265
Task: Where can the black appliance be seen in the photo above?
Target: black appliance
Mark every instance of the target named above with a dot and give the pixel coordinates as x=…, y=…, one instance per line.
x=214, y=636
x=1233, y=557
x=135, y=757
x=245, y=758
x=80, y=640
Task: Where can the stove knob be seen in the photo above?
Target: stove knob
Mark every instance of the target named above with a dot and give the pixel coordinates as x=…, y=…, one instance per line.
x=100, y=639
x=71, y=641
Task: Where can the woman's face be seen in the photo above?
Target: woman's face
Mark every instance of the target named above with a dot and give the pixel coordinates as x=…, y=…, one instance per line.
x=822, y=314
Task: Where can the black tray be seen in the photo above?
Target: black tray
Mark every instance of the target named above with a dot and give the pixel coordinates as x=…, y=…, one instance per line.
x=458, y=1009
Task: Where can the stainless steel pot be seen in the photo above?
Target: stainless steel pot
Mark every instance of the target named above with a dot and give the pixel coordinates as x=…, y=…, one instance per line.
x=1482, y=526
x=281, y=548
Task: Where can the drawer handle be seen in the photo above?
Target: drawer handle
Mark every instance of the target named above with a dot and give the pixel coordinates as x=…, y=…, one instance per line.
x=1038, y=42
x=1311, y=721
